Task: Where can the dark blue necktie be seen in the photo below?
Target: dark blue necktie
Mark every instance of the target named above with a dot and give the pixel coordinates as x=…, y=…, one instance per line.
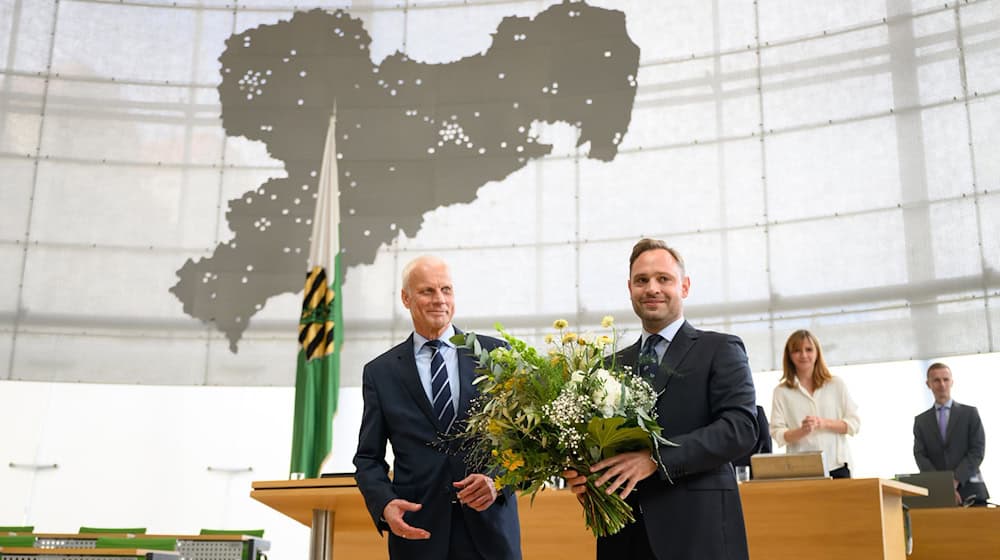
x=444, y=408
x=649, y=364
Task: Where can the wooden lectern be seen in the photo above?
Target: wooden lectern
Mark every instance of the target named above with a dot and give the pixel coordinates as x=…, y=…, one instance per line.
x=551, y=529
x=826, y=519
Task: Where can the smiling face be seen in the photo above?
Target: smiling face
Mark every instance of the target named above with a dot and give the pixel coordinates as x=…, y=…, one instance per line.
x=429, y=295
x=657, y=286
x=803, y=354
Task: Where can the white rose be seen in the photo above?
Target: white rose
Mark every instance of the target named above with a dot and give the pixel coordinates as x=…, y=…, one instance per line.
x=612, y=394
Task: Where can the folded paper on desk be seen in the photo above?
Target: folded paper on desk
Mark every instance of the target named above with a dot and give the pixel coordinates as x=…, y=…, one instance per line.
x=780, y=466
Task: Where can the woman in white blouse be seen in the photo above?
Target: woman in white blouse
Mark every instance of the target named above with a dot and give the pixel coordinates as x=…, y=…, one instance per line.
x=812, y=409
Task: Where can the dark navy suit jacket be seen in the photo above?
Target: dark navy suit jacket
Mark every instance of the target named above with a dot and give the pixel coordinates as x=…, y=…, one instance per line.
x=397, y=411
x=708, y=406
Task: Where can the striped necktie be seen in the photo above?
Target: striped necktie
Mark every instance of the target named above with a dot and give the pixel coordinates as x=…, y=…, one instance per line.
x=444, y=408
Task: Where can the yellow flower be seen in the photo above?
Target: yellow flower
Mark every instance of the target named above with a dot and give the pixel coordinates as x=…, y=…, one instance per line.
x=581, y=341
x=604, y=340
x=548, y=339
x=568, y=337
x=494, y=452
x=560, y=324
x=607, y=321
x=494, y=428
x=512, y=460
x=498, y=484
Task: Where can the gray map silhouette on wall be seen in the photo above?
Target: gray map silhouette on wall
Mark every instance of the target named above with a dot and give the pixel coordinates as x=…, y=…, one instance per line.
x=411, y=136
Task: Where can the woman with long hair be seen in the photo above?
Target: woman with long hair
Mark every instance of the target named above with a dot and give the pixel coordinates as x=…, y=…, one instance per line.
x=812, y=409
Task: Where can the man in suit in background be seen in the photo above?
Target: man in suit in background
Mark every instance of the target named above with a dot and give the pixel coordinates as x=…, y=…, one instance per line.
x=687, y=507
x=949, y=437
x=413, y=395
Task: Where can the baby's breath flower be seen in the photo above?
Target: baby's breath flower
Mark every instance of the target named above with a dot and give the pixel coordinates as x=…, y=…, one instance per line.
x=607, y=321
x=560, y=324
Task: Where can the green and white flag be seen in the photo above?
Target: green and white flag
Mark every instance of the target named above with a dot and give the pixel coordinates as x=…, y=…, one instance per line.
x=317, y=377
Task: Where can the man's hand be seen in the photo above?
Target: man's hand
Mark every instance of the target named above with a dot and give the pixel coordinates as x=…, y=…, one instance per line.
x=476, y=491
x=624, y=471
x=577, y=482
x=393, y=515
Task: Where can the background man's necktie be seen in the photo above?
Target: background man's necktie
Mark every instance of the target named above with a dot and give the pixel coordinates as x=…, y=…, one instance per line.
x=943, y=421
x=648, y=362
x=444, y=408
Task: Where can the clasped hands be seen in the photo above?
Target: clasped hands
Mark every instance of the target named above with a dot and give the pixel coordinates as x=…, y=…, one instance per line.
x=475, y=491
x=812, y=424
x=624, y=471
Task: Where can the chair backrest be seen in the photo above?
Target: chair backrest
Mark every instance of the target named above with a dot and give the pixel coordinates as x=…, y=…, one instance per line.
x=247, y=532
x=114, y=530
x=148, y=543
x=26, y=541
x=17, y=529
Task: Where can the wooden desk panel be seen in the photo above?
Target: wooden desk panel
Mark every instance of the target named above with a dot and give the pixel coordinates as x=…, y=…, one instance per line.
x=550, y=529
x=825, y=519
x=955, y=533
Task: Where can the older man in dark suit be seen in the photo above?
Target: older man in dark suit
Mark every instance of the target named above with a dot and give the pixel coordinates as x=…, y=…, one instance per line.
x=414, y=394
x=949, y=437
x=688, y=506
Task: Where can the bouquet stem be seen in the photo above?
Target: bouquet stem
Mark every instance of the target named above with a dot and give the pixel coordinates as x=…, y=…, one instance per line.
x=605, y=514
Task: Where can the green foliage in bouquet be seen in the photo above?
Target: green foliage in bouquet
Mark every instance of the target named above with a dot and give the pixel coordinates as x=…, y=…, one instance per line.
x=539, y=414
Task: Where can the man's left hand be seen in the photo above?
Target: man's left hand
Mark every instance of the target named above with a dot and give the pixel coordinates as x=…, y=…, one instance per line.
x=624, y=470
x=476, y=491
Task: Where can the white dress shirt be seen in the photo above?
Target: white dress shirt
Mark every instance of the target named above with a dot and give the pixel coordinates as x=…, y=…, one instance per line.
x=668, y=333
x=450, y=355
x=792, y=404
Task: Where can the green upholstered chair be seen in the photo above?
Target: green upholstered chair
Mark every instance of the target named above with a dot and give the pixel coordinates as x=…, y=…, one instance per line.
x=248, y=532
x=114, y=530
x=17, y=529
x=259, y=533
x=148, y=543
x=26, y=541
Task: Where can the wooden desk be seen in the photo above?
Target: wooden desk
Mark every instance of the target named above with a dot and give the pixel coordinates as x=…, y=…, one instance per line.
x=551, y=529
x=826, y=519
x=950, y=533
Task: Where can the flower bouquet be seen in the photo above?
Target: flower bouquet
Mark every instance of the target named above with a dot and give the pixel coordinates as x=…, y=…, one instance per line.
x=538, y=414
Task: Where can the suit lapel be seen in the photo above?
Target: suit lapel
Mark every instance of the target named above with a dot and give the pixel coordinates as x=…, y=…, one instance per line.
x=931, y=425
x=406, y=372
x=676, y=350
x=953, y=419
x=466, y=375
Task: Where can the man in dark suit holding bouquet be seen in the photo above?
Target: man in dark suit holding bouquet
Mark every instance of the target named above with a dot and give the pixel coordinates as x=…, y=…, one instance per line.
x=413, y=394
x=687, y=506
